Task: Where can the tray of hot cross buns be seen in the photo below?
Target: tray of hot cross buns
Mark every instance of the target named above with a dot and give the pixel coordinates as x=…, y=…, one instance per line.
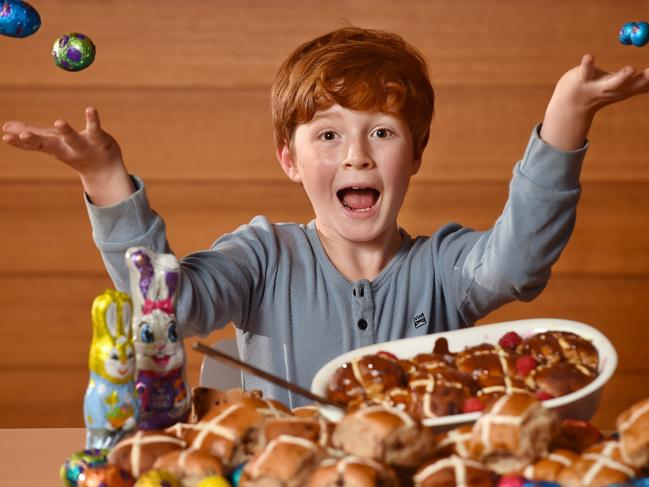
x=446, y=379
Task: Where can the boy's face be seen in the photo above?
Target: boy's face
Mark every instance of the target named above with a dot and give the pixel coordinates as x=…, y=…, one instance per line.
x=355, y=167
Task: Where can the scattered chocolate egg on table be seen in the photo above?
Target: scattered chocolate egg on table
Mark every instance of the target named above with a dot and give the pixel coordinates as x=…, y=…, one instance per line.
x=73, y=51
x=634, y=33
x=213, y=481
x=18, y=18
x=235, y=476
x=106, y=476
x=78, y=463
x=157, y=478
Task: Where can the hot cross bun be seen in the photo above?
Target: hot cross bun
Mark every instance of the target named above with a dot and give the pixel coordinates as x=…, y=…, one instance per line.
x=549, y=466
x=352, y=471
x=512, y=433
x=190, y=465
x=453, y=471
x=138, y=452
x=385, y=434
x=633, y=426
x=286, y=461
x=365, y=376
x=601, y=464
x=554, y=346
x=560, y=378
x=229, y=431
x=439, y=394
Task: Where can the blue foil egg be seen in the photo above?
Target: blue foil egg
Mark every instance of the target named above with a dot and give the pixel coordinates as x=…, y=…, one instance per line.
x=235, y=476
x=636, y=33
x=640, y=34
x=18, y=18
x=625, y=33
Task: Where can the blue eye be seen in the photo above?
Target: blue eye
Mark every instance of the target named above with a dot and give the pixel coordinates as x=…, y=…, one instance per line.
x=172, y=334
x=146, y=335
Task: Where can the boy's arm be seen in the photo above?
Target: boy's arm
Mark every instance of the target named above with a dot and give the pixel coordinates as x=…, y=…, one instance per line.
x=214, y=288
x=513, y=259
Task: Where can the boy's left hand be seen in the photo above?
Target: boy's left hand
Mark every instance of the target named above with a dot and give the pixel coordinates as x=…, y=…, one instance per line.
x=580, y=93
x=590, y=88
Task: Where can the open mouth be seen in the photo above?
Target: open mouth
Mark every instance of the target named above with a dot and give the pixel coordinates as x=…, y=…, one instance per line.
x=160, y=360
x=357, y=198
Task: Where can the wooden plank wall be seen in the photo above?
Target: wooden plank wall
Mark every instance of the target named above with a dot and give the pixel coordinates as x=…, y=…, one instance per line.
x=184, y=87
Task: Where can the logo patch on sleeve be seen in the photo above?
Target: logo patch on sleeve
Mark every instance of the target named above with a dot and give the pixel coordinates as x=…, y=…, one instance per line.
x=420, y=320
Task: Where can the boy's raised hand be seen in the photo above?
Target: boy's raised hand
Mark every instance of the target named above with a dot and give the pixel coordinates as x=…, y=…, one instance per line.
x=93, y=153
x=594, y=88
x=580, y=94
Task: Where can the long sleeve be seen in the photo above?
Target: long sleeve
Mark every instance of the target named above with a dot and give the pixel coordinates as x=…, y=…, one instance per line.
x=216, y=285
x=513, y=259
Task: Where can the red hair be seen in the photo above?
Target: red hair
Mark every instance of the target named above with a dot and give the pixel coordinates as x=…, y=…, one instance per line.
x=359, y=69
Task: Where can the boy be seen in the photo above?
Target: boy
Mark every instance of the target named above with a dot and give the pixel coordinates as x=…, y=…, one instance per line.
x=351, y=111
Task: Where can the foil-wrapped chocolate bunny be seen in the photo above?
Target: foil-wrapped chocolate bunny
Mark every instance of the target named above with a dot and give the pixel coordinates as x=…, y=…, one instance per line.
x=109, y=406
x=160, y=380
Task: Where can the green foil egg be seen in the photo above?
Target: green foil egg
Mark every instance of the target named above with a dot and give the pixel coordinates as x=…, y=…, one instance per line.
x=79, y=462
x=73, y=51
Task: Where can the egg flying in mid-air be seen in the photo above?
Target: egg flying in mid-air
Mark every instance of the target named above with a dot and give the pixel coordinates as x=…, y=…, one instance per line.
x=73, y=51
x=18, y=18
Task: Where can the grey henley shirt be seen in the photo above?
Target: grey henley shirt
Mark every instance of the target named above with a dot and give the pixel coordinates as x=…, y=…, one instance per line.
x=293, y=311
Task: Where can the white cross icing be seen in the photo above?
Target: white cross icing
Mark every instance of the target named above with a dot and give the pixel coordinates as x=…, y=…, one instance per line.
x=136, y=441
x=459, y=469
x=602, y=460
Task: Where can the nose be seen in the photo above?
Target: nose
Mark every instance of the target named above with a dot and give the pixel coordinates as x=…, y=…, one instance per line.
x=357, y=157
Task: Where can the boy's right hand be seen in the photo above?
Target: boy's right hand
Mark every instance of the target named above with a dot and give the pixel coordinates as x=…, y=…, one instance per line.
x=93, y=153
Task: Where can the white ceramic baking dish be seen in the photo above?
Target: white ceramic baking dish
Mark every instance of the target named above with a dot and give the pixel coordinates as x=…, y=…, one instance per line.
x=581, y=404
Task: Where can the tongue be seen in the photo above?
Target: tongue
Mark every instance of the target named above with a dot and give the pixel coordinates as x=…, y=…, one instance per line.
x=358, y=199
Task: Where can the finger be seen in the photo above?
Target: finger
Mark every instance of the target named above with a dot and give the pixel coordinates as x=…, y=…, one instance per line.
x=587, y=67
x=617, y=79
x=93, y=126
x=10, y=138
x=14, y=127
x=639, y=83
x=30, y=141
x=68, y=134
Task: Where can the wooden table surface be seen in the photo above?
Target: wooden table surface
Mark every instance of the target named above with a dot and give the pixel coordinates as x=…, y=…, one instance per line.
x=33, y=456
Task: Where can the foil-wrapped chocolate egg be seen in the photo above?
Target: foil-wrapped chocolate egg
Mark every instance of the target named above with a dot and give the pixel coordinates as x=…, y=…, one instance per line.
x=18, y=18
x=157, y=478
x=213, y=481
x=636, y=33
x=73, y=51
x=235, y=476
x=106, y=476
x=79, y=462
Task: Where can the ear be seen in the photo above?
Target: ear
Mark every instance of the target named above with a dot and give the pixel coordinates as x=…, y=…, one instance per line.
x=289, y=166
x=416, y=164
x=138, y=262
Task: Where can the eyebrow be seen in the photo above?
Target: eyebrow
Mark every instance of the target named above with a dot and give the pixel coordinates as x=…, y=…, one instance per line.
x=323, y=115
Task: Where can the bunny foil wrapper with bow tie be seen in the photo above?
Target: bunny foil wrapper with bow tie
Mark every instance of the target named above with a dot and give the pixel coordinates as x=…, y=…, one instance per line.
x=163, y=392
x=109, y=406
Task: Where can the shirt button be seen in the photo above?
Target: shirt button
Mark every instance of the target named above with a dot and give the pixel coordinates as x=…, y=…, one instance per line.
x=362, y=324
